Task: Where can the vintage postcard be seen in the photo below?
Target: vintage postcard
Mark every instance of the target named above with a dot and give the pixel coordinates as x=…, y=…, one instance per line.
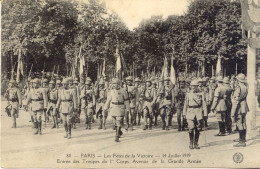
x=130, y=84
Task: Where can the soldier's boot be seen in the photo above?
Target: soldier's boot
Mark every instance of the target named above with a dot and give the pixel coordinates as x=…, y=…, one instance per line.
x=191, y=135
x=117, y=134
x=61, y=121
x=131, y=124
x=87, y=123
x=100, y=123
x=170, y=120
x=104, y=124
x=139, y=122
x=150, y=125
x=155, y=120
x=120, y=133
x=179, y=124
x=36, y=128
x=221, y=132
x=56, y=121
x=134, y=119
x=145, y=123
x=127, y=122
x=54, y=124
x=242, y=142
x=66, y=129
x=74, y=125
x=196, y=140
x=40, y=127
x=69, y=131
x=238, y=139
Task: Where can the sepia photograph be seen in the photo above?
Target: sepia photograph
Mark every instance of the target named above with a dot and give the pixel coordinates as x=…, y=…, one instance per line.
x=130, y=84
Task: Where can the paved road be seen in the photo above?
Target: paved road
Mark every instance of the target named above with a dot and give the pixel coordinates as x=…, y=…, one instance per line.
x=20, y=148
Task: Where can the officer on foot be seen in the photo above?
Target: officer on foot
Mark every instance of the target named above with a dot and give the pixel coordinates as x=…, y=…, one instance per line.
x=14, y=98
x=88, y=103
x=39, y=102
x=194, y=105
x=149, y=97
x=219, y=105
x=132, y=93
x=53, y=98
x=240, y=109
x=67, y=105
x=139, y=102
x=118, y=103
x=101, y=95
x=229, y=91
x=167, y=103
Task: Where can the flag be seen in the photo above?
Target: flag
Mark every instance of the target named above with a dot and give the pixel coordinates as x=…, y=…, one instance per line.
x=172, y=76
x=118, y=63
x=218, y=68
x=81, y=61
x=19, y=66
x=165, y=69
x=104, y=68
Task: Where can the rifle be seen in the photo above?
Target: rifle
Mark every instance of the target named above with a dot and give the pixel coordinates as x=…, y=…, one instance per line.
x=30, y=71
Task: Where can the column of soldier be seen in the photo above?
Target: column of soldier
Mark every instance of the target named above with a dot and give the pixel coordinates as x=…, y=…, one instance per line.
x=129, y=101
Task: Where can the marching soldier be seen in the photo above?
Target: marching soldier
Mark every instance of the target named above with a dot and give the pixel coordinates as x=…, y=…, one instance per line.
x=118, y=103
x=194, y=106
x=74, y=113
x=88, y=103
x=240, y=109
x=67, y=105
x=202, y=88
x=29, y=106
x=132, y=93
x=179, y=102
x=53, y=98
x=39, y=101
x=229, y=90
x=101, y=96
x=219, y=105
x=166, y=103
x=58, y=87
x=149, y=97
x=44, y=85
x=139, y=102
x=156, y=111
x=14, y=98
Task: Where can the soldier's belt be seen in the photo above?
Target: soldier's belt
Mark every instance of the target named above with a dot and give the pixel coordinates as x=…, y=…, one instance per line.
x=53, y=101
x=37, y=100
x=148, y=100
x=14, y=100
x=198, y=106
x=118, y=103
x=66, y=100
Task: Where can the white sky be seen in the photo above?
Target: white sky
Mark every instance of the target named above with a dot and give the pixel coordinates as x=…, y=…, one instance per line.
x=134, y=11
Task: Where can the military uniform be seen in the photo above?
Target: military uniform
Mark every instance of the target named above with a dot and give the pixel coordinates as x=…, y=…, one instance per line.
x=132, y=93
x=166, y=95
x=67, y=105
x=240, y=108
x=88, y=100
x=39, y=102
x=194, y=107
x=149, y=97
x=59, y=88
x=219, y=105
x=228, y=93
x=118, y=103
x=14, y=98
x=139, y=102
x=45, y=87
x=74, y=89
x=156, y=111
x=53, y=98
x=101, y=96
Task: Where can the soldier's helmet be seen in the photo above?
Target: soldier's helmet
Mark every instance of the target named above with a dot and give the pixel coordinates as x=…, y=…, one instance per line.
x=129, y=78
x=88, y=82
x=101, y=82
x=137, y=79
x=12, y=81
x=52, y=82
x=167, y=79
x=36, y=80
x=65, y=81
x=75, y=82
x=45, y=81
x=241, y=78
x=194, y=83
x=212, y=78
x=219, y=79
x=88, y=79
x=226, y=80
x=58, y=82
x=115, y=81
x=199, y=80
